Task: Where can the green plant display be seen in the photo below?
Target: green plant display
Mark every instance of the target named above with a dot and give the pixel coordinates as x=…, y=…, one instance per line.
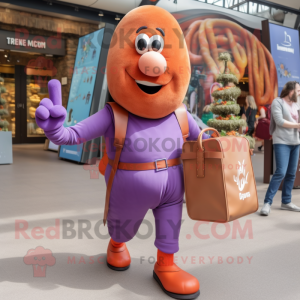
x=225, y=109
x=225, y=105
x=229, y=94
x=227, y=125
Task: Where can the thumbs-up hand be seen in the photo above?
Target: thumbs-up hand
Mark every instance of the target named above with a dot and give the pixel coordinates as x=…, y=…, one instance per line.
x=50, y=114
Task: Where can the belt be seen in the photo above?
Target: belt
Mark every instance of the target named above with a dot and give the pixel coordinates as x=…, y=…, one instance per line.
x=158, y=165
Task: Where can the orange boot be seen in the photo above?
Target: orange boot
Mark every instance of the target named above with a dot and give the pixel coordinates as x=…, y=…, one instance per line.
x=175, y=282
x=118, y=257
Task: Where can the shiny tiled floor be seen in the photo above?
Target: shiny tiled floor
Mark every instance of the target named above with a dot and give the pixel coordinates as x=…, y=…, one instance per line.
x=39, y=190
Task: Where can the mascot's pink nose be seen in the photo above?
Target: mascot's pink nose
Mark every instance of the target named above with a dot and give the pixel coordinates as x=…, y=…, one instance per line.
x=152, y=64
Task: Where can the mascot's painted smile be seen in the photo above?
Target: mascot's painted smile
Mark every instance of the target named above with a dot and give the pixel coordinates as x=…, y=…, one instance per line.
x=148, y=87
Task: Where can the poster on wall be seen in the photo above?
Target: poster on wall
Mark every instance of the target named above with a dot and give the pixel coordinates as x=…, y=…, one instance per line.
x=82, y=87
x=285, y=51
x=207, y=34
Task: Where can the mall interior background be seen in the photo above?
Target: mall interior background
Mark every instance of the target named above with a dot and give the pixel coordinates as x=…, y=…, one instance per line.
x=39, y=187
x=69, y=20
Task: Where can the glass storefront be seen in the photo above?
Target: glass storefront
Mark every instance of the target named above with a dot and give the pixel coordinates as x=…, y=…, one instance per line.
x=25, y=70
x=21, y=91
x=7, y=99
x=37, y=89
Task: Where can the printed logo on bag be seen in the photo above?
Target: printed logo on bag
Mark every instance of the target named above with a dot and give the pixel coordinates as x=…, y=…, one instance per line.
x=241, y=180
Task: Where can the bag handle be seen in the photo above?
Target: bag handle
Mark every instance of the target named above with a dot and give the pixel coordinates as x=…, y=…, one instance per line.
x=200, y=152
x=199, y=141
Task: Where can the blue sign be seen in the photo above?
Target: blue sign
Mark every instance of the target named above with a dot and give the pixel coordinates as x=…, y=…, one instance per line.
x=285, y=52
x=82, y=87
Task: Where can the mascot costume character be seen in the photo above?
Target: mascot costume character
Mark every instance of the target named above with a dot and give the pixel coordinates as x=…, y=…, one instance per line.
x=148, y=76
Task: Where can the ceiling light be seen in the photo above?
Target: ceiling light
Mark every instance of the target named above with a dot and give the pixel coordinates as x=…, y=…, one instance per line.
x=100, y=14
x=117, y=18
x=5, y=55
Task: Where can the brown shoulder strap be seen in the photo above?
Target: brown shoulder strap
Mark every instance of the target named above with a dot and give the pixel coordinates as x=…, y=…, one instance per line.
x=182, y=118
x=121, y=121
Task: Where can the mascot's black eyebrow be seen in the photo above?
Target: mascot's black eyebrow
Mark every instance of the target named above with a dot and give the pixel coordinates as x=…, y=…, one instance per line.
x=145, y=27
x=161, y=31
x=141, y=28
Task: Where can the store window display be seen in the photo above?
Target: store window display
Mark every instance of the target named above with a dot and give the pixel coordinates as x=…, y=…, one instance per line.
x=35, y=93
x=22, y=88
x=7, y=100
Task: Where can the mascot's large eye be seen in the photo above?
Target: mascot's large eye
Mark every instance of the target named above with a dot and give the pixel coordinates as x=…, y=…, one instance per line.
x=141, y=43
x=156, y=43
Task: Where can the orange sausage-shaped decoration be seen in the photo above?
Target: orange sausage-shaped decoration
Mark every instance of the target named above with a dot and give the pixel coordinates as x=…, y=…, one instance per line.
x=273, y=73
x=205, y=50
x=250, y=68
x=222, y=40
x=241, y=60
x=195, y=59
x=264, y=99
x=195, y=44
x=261, y=62
x=206, y=39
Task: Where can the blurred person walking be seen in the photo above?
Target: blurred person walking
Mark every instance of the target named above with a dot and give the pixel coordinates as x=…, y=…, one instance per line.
x=262, y=115
x=284, y=127
x=251, y=110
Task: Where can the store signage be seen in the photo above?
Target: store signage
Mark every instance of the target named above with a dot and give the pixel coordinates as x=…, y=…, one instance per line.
x=280, y=48
x=25, y=43
x=22, y=40
x=285, y=52
x=287, y=44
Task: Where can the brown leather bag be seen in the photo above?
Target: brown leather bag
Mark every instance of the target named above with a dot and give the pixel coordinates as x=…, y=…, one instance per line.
x=218, y=177
x=121, y=122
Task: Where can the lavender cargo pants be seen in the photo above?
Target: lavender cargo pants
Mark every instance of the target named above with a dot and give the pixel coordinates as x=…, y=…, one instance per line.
x=134, y=193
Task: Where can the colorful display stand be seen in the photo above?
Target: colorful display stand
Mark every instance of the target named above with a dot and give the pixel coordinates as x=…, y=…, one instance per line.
x=88, y=93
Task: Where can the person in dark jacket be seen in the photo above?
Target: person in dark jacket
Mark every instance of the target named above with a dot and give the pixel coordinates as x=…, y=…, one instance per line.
x=242, y=111
x=251, y=110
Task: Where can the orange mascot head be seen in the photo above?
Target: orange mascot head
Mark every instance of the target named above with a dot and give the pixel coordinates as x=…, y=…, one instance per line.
x=148, y=67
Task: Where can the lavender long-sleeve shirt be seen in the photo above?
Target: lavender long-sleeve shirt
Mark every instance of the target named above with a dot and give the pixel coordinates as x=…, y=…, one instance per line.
x=146, y=139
